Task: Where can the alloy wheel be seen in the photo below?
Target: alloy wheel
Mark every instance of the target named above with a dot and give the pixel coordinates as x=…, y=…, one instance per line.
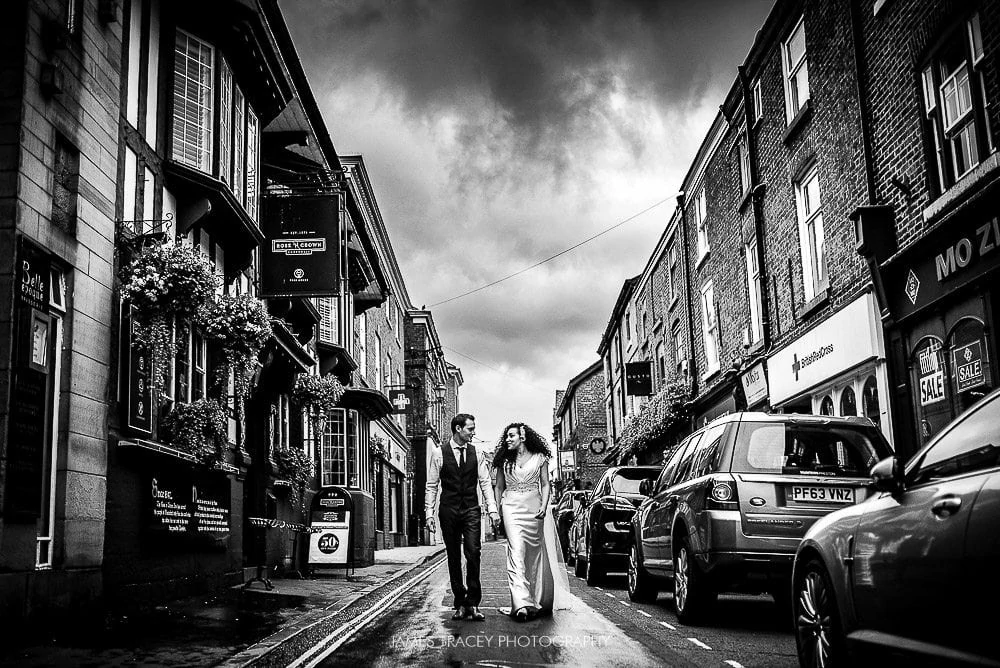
x=813, y=620
x=682, y=573
x=633, y=570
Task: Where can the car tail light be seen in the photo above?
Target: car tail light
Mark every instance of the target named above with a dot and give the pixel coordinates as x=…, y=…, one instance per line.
x=722, y=495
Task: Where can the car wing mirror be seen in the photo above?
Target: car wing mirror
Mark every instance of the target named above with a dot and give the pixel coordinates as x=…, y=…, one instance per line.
x=887, y=475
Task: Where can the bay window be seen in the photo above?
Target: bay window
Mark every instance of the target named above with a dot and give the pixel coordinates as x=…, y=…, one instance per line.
x=215, y=130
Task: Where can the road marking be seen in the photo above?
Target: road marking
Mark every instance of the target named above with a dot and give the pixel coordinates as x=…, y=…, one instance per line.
x=668, y=626
x=598, y=588
x=609, y=594
x=734, y=664
x=644, y=613
x=699, y=643
x=626, y=604
x=319, y=651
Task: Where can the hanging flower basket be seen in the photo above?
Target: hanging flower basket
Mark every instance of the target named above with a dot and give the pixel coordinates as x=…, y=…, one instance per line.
x=666, y=411
x=164, y=283
x=295, y=466
x=241, y=325
x=317, y=396
x=379, y=447
x=198, y=428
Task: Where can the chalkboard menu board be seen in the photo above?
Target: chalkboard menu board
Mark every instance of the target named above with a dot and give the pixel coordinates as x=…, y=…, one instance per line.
x=187, y=509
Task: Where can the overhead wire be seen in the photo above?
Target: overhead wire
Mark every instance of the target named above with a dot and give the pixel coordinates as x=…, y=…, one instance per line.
x=553, y=257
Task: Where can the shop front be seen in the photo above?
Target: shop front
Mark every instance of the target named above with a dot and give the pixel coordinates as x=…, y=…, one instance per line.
x=942, y=333
x=836, y=368
x=390, y=448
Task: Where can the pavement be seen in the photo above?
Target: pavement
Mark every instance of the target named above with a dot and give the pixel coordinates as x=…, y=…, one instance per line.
x=240, y=627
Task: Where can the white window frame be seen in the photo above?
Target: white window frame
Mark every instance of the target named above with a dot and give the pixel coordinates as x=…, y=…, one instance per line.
x=796, y=73
x=756, y=114
x=700, y=213
x=672, y=271
x=755, y=327
x=45, y=537
x=193, y=140
x=812, y=242
x=710, y=327
x=743, y=160
x=361, y=325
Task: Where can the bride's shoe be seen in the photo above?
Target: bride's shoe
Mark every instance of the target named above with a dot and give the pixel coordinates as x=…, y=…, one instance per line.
x=521, y=615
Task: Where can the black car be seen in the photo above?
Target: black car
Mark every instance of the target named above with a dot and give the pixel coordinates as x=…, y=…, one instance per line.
x=567, y=508
x=599, y=536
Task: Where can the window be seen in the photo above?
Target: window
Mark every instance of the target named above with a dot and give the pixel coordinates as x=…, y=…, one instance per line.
x=339, y=456
x=956, y=105
x=327, y=308
x=832, y=450
x=672, y=274
x=699, y=221
x=192, y=132
x=66, y=179
x=743, y=159
x=710, y=327
x=680, y=356
x=661, y=363
x=628, y=326
x=756, y=113
x=362, y=344
x=972, y=445
x=826, y=405
x=848, y=402
x=807, y=198
x=377, y=357
x=755, y=329
x=195, y=66
x=796, y=70
x=869, y=400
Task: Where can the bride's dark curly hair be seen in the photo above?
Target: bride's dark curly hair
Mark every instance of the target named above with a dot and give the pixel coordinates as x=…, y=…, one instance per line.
x=533, y=442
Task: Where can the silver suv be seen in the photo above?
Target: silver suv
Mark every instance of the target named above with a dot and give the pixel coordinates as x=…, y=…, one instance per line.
x=734, y=499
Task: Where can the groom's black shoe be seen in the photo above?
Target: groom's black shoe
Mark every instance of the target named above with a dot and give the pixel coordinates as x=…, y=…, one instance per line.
x=474, y=613
x=459, y=613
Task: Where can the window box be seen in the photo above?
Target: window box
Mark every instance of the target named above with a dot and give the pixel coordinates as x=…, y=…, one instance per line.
x=986, y=171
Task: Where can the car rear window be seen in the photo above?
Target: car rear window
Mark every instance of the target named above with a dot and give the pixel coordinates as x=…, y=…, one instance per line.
x=835, y=450
x=626, y=481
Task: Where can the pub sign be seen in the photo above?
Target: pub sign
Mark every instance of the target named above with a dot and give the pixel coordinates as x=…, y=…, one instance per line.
x=639, y=378
x=301, y=253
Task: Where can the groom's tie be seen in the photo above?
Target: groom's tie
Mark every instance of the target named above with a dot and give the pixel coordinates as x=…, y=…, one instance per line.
x=461, y=458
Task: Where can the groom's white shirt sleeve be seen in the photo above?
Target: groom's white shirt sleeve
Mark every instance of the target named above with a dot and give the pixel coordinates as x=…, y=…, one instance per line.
x=486, y=482
x=433, y=482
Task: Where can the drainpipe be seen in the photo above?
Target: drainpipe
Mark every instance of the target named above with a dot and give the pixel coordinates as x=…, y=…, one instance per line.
x=681, y=201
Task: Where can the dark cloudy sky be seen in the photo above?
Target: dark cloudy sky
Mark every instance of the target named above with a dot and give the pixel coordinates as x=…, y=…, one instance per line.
x=497, y=134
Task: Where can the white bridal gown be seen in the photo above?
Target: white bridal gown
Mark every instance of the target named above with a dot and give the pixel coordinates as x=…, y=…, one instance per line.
x=535, y=571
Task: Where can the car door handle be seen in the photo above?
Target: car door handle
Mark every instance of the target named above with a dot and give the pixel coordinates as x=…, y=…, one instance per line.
x=946, y=506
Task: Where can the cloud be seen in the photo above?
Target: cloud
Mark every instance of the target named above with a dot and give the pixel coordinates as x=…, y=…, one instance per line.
x=497, y=134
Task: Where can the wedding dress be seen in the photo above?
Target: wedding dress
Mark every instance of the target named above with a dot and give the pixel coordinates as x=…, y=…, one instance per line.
x=536, y=573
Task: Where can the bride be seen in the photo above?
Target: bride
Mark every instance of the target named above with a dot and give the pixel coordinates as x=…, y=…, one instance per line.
x=535, y=574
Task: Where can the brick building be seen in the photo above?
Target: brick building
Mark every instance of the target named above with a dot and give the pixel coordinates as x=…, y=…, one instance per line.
x=929, y=229
x=580, y=430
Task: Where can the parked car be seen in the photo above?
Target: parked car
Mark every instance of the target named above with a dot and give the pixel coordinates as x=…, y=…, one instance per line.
x=599, y=534
x=732, y=502
x=910, y=575
x=569, y=505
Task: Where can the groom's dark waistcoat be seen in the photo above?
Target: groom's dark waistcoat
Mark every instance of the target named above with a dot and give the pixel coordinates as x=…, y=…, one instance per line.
x=458, y=487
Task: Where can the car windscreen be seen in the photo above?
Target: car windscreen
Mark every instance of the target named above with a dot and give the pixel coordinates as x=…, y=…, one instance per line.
x=809, y=448
x=627, y=481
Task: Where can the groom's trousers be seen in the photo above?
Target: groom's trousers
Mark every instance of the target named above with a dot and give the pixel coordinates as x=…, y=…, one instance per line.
x=461, y=529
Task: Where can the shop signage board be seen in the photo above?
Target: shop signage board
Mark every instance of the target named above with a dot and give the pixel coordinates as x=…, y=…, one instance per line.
x=183, y=509
x=755, y=384
x=330, y=517
x=301, y=254
x=968, y=365
x=29, y=392
x=639, y=378
x=567, y=461
x=843, y=341
x=140, y=391
x=946, y=259
x=400, y=398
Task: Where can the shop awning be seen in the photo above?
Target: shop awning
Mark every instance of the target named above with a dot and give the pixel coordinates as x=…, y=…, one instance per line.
x=372, y=403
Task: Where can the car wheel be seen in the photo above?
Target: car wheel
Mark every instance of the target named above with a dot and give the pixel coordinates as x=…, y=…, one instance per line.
x=594, y=572
x=641, y=587
x=818, y=633
x=692, y=595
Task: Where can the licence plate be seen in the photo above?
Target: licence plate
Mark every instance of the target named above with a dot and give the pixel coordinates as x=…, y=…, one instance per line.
x=807, y=494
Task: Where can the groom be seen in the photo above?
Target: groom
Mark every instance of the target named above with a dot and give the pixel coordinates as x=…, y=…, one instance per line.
x=456, y=469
